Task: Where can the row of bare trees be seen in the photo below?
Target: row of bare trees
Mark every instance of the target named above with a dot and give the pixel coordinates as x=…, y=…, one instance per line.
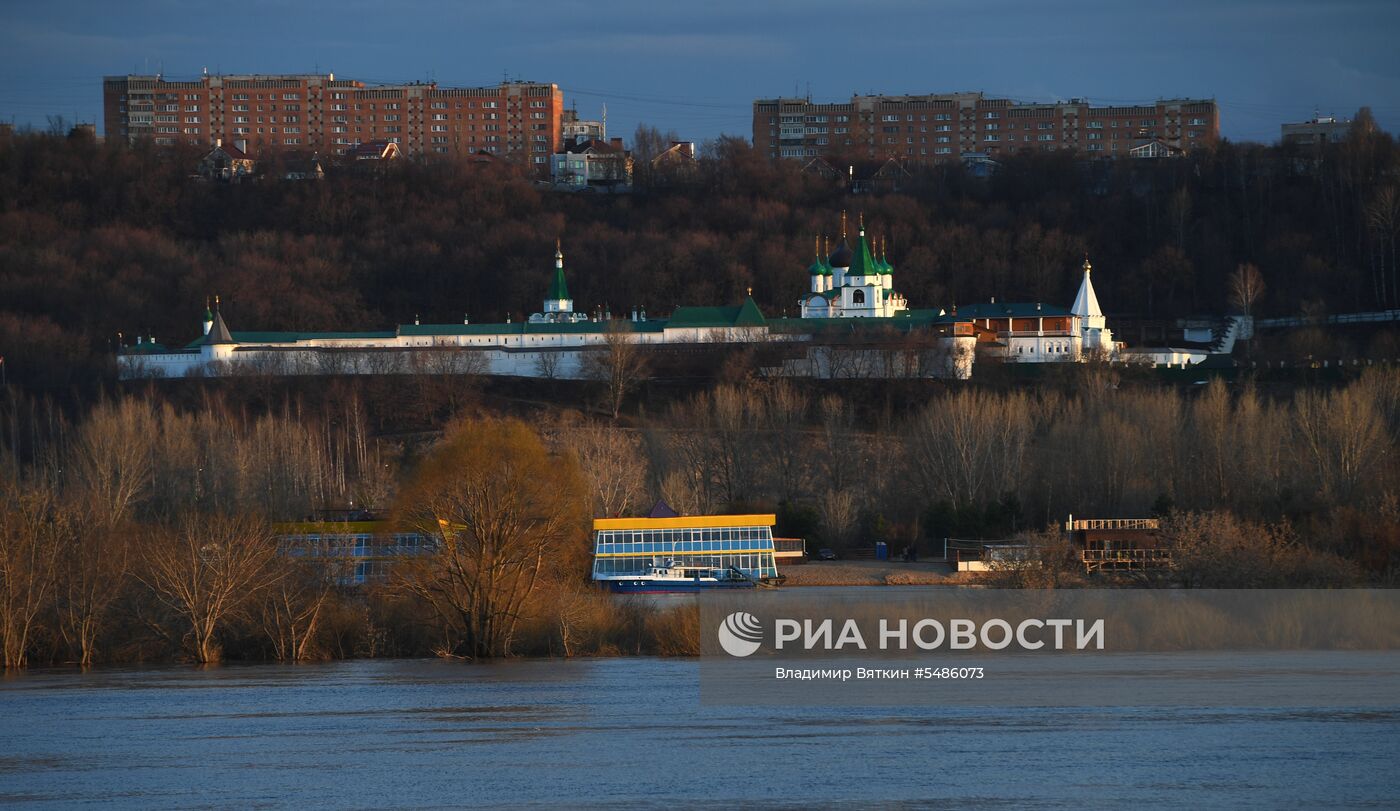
x=1108, y=449
x=144, y=531
x=141, y=530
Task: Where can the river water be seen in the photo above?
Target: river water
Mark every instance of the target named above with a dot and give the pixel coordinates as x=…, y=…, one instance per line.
x=631, y=731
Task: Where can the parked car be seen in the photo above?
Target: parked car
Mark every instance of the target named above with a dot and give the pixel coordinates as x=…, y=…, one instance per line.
x=826, y=554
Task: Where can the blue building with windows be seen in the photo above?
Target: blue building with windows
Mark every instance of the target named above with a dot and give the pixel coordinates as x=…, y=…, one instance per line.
x=628, y=547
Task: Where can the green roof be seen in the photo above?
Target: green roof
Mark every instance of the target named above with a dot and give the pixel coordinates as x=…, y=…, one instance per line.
x=291, y=337
x=863, y=262
x=526, y=328
x=745, y=315
x=558, y=289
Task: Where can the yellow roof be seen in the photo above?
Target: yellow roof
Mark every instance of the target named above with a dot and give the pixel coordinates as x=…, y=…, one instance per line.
x=330, y=527
x=687, y=522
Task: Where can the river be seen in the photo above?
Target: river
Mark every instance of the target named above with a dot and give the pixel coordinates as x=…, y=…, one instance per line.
x=631, y=731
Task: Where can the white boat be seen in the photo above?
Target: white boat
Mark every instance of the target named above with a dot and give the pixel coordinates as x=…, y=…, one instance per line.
x=673, y=577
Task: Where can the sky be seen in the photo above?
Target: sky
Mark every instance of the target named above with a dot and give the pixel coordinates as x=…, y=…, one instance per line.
x=696, y=67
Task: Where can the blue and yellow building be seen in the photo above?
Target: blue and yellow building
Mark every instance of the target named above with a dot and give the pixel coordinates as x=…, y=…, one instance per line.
x=636, y=546
x=356, y=552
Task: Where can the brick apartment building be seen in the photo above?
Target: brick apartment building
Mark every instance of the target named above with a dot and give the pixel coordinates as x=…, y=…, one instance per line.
x=515, y=120
x=953, y=125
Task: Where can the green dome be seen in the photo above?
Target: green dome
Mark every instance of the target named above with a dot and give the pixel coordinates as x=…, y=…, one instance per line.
x=819, y=267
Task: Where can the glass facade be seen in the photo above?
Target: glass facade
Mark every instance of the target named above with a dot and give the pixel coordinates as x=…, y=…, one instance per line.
x=356, y=558
x=632, y=551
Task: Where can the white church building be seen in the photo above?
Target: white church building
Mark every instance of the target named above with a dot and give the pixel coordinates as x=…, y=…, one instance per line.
x=1036, y=332
x=852, y=283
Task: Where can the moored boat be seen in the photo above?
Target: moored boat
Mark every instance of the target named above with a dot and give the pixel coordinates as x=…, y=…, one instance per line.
x=671, y=578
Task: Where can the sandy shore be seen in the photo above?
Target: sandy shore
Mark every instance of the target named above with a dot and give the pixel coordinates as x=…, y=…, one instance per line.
x=868, y=573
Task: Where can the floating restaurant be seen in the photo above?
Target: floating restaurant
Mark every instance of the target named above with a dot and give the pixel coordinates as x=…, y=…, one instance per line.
x=666, y=552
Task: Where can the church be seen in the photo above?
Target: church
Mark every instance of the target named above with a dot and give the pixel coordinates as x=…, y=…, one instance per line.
x=852, y=283
x=1036, y=332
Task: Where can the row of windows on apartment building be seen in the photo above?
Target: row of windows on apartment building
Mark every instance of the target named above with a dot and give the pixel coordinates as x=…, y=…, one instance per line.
x=811, y=152
x=790, y=132
x=987, y=138
x=338, y=95
x=243, y=108
x=845, y=119
x=122, y=107
x=342, y=142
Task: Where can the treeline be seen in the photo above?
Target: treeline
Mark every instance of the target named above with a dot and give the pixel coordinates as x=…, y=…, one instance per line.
x=145, y=534
x=100, y=239
x=144, y=530
x=982, y=464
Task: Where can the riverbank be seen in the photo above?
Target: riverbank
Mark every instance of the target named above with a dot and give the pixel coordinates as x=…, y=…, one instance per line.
x=870, y=573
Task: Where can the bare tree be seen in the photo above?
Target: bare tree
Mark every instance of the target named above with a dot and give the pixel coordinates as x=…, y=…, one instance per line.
x=648, y=142
x=838, y=426
x=291, y=609
x=93, y=576
x=1343, y=437
x=787, y=445
x=112, y=457
x=34, y=531
x=726, y=417
x=620, y=363
x=547, y=364
x=1383, y=217
x=969, y=445
x=838, y=510
x=614, y=464
x=206, y=570
x=1246, y=287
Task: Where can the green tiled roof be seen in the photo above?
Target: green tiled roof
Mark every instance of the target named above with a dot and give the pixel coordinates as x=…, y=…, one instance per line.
x=292, y=337
x=745, y=315
x=526, y=328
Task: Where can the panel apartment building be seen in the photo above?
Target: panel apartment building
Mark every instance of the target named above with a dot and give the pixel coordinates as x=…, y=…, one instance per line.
x=516, y=120
x=952, y=125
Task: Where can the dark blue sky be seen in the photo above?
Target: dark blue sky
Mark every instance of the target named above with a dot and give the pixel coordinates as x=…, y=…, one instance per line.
x=696, y=66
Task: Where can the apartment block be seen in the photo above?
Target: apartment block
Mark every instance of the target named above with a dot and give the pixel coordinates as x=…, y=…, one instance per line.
x=1316, y=132
x=515, y=120
x=953, y=125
